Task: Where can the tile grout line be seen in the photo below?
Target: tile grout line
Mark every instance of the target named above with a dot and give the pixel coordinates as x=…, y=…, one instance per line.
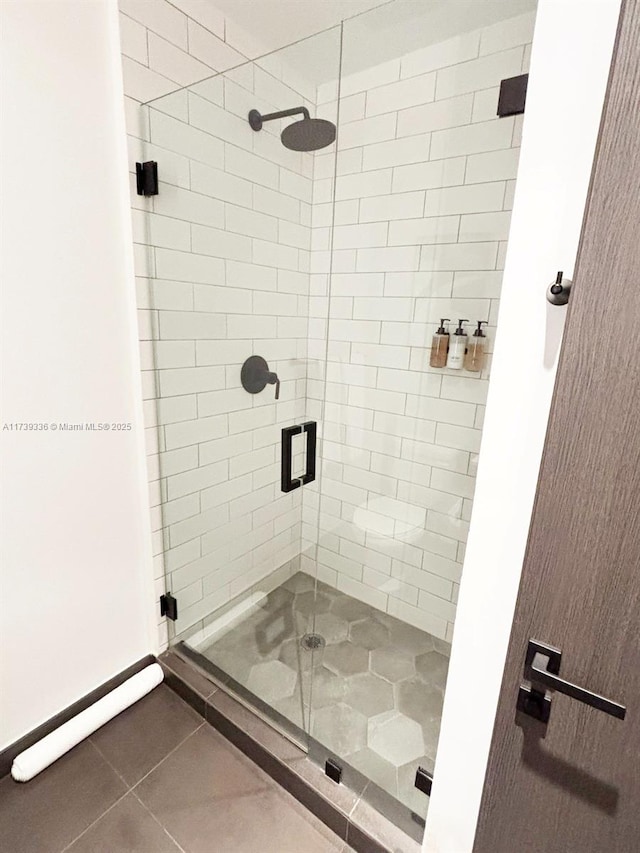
x=84, y=831
x=142, y=778
x=130, y=789
x=182, y=742
x=157, y=820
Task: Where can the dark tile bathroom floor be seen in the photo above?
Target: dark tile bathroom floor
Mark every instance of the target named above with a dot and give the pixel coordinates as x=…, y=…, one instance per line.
x=157, y=779
x=373, y=695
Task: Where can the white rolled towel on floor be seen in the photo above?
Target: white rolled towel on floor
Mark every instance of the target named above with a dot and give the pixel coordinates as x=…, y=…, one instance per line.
x=43, y=753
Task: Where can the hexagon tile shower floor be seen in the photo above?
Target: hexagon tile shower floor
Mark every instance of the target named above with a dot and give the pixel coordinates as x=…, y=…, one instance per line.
x=373, y=694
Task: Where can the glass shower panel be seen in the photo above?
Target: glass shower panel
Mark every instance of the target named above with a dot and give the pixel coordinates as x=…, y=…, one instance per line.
x=423, y=194
x=330, y=606
x=229, y=239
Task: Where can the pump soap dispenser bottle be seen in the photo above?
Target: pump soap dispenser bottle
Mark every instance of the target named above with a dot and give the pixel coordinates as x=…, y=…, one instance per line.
x=475, y=357
x=458, y=347
x=440, y=346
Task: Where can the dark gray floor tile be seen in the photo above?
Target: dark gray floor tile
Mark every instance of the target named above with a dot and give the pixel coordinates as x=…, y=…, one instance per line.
x=369, y=633
x=207, y=793
x=340, y=728
x=126, y=828
x=392, y=664
x=433, y=668
x=47, y=813
x=206, y=767
x=272, y=680
x=312, y=602
x=368, y=694
x=350, y=608
x=419, y=701
x=263, y=822
x=346, y=658
x=331, y=627
x=324, y=687
x=140, y=737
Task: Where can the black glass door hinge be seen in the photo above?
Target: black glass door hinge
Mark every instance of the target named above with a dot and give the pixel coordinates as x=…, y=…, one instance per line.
x=169, y=606
x=333, y=770
x=147, y=178
x=423, y=781
x=512, y=96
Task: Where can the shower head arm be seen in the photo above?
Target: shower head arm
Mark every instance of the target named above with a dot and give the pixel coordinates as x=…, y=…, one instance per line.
x=256, y=119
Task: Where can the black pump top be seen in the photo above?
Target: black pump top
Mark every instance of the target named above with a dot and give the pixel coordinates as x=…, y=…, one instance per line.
x=441, y=328
x=478, y=332
x=460, y=330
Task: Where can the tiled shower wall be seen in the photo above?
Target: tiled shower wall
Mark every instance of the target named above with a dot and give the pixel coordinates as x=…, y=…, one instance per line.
x=424, y=189
x=222, y=263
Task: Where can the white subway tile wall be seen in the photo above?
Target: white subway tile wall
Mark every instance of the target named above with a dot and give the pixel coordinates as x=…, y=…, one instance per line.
x=424, y=193
x=244, y=252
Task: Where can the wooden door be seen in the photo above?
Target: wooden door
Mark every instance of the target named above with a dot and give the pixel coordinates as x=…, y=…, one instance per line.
x=573, y=784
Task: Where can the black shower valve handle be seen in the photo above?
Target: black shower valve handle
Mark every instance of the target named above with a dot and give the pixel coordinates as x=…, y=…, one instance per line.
x=255, y=376
x=272, y=379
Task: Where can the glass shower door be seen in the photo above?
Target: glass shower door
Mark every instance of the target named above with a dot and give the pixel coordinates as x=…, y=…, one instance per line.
x=425, y=180
x=330, y=606
x=228, y=243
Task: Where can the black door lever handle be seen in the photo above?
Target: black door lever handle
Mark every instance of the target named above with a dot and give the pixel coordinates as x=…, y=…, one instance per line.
x=542, y=664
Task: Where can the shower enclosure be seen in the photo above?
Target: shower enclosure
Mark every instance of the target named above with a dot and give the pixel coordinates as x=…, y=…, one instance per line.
x=316, y=500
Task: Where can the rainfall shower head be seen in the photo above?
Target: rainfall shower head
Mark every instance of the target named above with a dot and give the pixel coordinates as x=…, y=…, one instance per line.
x=307, y=134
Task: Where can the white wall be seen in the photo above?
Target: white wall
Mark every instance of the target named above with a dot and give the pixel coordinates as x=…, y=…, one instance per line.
x=76, y=565
x=569, y=67
x=424, y=190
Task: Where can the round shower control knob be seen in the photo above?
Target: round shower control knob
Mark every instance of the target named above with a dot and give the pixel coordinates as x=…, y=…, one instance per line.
x=255, y=376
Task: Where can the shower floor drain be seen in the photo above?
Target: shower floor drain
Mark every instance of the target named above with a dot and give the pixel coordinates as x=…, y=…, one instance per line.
x=313, y=641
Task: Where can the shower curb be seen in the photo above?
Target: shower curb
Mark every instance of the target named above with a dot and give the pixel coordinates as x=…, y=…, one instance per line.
x=356, y=822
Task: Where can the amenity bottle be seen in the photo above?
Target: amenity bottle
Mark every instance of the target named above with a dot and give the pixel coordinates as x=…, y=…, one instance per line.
x=457, y=347
x=440, y=345
x=476, y=350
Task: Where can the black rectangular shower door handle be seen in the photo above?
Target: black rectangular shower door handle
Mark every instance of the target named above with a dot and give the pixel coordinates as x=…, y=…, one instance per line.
x=311, y=429
x=287, y=483
x=541, y=668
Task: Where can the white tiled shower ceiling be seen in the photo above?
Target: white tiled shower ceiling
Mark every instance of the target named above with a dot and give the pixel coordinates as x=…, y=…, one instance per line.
x=223, y=264
x=424, y=189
